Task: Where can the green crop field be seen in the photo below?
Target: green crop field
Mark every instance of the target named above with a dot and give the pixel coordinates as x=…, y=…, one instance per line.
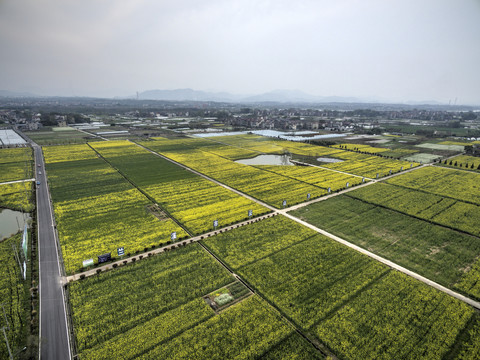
x=437, y=253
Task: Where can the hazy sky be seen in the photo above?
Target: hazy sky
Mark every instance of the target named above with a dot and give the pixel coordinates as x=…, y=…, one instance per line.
x=395, y=50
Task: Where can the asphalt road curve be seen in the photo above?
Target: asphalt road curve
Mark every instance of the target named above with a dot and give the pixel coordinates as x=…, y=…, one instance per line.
x=54, y=341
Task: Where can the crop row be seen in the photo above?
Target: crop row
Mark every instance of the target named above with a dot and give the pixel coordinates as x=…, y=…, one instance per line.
x=263, y=185
x=461, y=185
x=436, y=252
x=98, y=211
x=15, y=164
x=191, y=199
x=245, y=331
x=17, y=196
x=154, y=309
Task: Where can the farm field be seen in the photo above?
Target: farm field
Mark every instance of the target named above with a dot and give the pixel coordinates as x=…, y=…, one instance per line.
x=439, y=146
x=163, y=314
x=324, y=288
x=292, y=265
x=183, y=304
x=438, y=253
x=466, y=162
x=470, y=347
x=14, y=296
x=423, y=158
x=460, y=185
x=315, y=176
x=393, y=319
x=189, y=198
x=17, y=196
x=399, y=152
x=265, y=186
x=16, y=164
x=369, y=165
x=448, y=212
x=361, y=148
x=271, y=186
x=60, y=136
x=354, y=163
x=97, y=210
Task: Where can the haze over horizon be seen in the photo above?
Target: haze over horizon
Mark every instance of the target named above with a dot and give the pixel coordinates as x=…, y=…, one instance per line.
x=395, y=51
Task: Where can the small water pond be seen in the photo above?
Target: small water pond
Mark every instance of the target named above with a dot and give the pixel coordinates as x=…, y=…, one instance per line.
x=267, y=160
x=11, y=222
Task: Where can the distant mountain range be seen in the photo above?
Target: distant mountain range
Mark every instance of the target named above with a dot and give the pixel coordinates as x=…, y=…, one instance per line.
x=281, y=96
x=276, y=96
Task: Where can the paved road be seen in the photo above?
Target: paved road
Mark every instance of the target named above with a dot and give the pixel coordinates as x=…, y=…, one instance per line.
x=54, y=340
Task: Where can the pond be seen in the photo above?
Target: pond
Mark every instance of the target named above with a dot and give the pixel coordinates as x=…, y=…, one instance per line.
x=267, y=160
x=11, y=222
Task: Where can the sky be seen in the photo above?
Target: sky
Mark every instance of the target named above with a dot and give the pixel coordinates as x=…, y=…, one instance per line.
x=389, y=50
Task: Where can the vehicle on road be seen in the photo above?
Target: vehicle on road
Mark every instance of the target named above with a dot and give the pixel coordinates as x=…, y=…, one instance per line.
x=38, y=182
